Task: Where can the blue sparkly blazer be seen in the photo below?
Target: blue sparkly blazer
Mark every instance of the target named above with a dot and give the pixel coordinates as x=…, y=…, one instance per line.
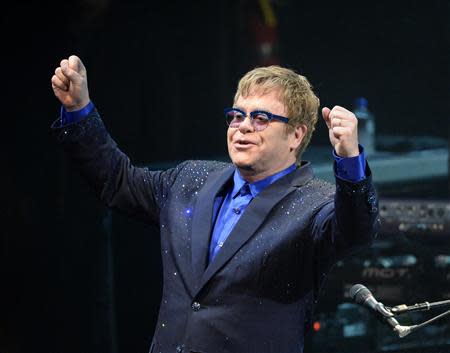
x=258, y=293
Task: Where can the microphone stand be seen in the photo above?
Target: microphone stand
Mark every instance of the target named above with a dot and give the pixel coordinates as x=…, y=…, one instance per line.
x=400, y=309
x=403, y=331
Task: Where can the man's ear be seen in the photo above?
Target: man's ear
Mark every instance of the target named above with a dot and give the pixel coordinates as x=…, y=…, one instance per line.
x=297, y=136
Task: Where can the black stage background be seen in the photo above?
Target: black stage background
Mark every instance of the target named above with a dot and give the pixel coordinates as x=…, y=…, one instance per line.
x=76, y=278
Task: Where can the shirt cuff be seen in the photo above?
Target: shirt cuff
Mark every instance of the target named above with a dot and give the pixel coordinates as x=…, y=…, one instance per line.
x=351, y=169
x=75, y=116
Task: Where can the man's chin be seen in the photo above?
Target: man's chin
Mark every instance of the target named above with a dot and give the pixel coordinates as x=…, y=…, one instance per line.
x=244, y=165
x=244, y=161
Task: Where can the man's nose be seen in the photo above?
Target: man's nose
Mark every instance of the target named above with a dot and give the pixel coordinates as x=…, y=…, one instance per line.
x=246, y=125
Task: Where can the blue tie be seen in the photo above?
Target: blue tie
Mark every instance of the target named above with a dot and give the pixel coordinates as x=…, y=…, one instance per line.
x=245, y=189
x=231, y=214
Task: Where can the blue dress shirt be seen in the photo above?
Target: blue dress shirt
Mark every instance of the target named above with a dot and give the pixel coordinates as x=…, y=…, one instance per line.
x=75, y=116
x=234, y=205
x=237, y=199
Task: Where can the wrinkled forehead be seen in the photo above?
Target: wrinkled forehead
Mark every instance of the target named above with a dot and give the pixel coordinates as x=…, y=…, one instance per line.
x=261, y=99
x=260, y=90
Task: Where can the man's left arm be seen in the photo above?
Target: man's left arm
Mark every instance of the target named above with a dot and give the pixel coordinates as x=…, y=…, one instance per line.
x=351, y=221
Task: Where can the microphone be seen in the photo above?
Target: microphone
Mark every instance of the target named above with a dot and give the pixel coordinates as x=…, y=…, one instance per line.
x=361, y=295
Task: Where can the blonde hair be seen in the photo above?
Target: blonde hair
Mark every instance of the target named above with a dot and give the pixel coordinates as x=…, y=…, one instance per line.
x=295, y=92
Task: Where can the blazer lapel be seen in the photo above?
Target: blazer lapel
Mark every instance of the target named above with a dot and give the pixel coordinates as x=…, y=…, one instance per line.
x=254, y=215
x=202, y=220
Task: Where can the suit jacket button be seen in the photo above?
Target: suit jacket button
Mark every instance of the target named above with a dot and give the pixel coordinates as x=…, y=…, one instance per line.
x=196, y=306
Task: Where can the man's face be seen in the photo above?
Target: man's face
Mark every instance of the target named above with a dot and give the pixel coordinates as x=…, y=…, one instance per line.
x=259, y=154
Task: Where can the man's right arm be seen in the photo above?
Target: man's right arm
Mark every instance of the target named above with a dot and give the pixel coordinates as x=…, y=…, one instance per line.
x=132, y=190
x=136, y=191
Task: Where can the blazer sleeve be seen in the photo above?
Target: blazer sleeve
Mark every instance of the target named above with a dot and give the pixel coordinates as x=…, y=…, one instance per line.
x=132, y=190
x=346, y=224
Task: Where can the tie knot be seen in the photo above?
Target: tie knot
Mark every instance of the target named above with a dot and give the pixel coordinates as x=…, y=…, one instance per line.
x=245, y=189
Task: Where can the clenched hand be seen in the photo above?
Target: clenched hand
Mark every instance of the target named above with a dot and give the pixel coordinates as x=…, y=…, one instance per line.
x=69, y=84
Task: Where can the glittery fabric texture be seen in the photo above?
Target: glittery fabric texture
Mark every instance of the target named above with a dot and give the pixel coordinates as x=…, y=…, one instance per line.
x=258, y=293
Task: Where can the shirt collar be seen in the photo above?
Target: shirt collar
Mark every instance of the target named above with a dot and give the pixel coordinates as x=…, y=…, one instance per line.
x=260, y=185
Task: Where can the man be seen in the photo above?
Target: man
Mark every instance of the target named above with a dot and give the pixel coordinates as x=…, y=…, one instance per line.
x=245, y=246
